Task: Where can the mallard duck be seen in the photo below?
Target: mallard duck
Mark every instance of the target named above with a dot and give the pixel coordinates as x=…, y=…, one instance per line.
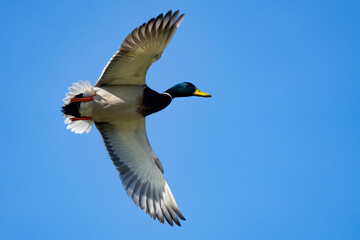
x=118, y=105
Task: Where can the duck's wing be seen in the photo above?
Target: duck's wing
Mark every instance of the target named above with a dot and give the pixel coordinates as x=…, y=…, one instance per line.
x=143, y=46
x=140, y=170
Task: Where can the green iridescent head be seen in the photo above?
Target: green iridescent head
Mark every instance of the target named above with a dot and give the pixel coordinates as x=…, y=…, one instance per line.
x=185, y=89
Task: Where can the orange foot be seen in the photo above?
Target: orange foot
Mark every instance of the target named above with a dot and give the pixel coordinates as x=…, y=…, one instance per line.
x=84, y=99
x=80, y=118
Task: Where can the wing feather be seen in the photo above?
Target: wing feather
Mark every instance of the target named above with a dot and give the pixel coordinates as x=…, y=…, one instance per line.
x=166, y=213
x=143, y=46
x=136, y=193
x=140, y=170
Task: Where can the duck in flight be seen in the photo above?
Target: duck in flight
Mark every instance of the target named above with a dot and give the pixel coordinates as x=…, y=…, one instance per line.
x=118, y=105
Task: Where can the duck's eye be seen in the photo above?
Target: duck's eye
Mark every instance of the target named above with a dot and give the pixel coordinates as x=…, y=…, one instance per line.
x=187, y=85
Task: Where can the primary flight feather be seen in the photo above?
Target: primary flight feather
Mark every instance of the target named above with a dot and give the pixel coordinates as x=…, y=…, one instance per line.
x=118, y=105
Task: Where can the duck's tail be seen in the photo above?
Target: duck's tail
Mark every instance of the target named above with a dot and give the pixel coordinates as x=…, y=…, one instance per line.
x=71, y=108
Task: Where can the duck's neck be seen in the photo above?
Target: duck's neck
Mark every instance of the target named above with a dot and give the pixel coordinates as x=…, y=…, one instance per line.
x=171, y=92
x=166, y=93
x=152, y=101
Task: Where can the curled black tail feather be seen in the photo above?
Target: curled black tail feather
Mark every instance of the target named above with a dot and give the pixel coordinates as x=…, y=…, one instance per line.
x=72, y=108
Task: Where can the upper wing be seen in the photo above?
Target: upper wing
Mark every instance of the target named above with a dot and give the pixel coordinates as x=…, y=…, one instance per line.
x=139, y=50
x=140, y=170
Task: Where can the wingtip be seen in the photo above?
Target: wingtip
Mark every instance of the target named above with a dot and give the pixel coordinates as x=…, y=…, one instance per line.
x=180, y=215
x=169, y=221
x=179, y=20
x=168, y=14
x=177, y=222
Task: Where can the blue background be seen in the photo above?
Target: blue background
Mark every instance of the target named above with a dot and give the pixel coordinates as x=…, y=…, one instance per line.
x=275, y=154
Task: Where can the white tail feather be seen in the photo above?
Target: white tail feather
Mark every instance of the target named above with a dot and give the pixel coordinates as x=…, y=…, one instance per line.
x=79, y=126
x=78, y=88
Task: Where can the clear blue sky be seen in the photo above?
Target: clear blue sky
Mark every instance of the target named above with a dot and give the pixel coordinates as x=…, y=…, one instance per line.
x=275, y=154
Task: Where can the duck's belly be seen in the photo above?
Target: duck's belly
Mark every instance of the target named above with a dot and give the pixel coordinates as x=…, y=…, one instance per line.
x=114, y=103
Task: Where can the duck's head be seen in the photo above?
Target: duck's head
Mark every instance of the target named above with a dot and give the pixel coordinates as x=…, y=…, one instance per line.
x=185, y=89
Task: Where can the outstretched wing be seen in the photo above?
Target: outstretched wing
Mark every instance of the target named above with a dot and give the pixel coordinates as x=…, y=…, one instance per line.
x=140, y=170
x=139, y=50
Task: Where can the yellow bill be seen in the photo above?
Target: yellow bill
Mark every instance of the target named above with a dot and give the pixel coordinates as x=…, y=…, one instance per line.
x=201, y=94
